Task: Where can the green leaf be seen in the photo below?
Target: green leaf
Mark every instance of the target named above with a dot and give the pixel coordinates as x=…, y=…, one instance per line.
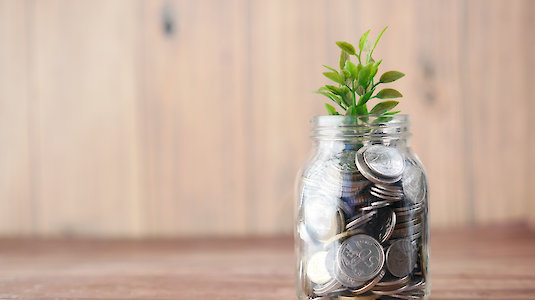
x=383, y=107
x=392, y=113
x=365, y=98
x=360, y=90
x=388, y=94
x=377, y=63
x=362, y=41
x=333, y=89
x=346, y=47
x=362, y=109
x=351, y=111
x=352, y=68
x=347, y=96
x=330, y=68
x=390, y=76
x=377, y=41
x=333, y=97
x=364, y=75
x=346, y=74
x=344, y=57
x=331, y=110
x=375, y=67
x=334, y=77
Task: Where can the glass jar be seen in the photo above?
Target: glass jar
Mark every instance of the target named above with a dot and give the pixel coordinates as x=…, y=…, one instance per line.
x=361, y=224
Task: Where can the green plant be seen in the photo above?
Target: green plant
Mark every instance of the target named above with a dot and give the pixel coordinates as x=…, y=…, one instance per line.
x=355, y=81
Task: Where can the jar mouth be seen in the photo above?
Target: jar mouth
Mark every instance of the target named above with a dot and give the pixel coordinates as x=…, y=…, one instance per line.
x=366, y=127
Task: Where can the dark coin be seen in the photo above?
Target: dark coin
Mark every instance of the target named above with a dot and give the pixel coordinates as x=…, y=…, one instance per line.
x=401, y=258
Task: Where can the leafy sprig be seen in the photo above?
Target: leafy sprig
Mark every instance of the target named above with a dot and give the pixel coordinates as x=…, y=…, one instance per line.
x=354, y=82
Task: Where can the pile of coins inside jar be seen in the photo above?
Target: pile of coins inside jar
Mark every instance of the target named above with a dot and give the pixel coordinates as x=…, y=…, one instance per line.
x=363, y=226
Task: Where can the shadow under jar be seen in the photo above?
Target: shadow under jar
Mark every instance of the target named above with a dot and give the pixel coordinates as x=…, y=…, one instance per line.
x=361, y=226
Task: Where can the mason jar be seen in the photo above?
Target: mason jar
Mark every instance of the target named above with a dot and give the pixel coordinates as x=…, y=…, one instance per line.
x=361, y=222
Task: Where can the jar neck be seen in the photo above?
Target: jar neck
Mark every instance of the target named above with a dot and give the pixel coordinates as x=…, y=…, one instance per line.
x=374, y=129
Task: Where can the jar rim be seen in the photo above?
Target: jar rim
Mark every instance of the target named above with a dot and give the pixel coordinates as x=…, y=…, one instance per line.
x=367, y=126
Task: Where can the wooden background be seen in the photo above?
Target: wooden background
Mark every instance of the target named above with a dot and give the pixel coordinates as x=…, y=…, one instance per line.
x=157, y=118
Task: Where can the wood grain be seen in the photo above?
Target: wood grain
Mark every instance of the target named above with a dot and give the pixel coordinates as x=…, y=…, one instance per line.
x=488, y=263
x=180, y=117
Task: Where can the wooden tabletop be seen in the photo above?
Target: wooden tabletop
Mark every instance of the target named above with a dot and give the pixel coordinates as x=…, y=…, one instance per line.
x=490, y=263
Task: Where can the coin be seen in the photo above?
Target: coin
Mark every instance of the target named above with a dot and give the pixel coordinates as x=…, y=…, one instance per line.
x=346, y=280
x=376, y=205
x=361, y=257
x=404, y=232
x=316, y=270
x=409, y=223
x=360, y=220
x=367, y=297
x=390, y=225
x=326, y=288
x=369, y=285
x=322, y=217
x=387, y=192
x=413, y=182
x=330, y=260
x=389, y=187
x=401, y=258
x=384, y=161
x=368, y=173
x=345, y=161
x=384, y=196
x=343, y=235
x=391, y=285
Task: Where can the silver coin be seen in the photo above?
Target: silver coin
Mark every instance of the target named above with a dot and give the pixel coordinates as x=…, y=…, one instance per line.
x=390, y=225
x=322, y=217
x=385, y=197
x=346, y=280
x=369, y=174
x=327, y=288
x=398, y=195
x=361, y=257
x=384, y=161
x=392, y=284
x=413, y=182
x=345, y=161
x=360, y=220
x=376, y=205
x=405, y=232
x=362, y=198
x=401, y=258
x=316, y=268
x=410, y=207
x=330, y=260
x=410, y=212
x=409, y=223
x=369, y=285
x=389, y=187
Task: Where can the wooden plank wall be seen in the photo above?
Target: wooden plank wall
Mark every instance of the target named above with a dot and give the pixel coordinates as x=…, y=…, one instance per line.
x=151, y=118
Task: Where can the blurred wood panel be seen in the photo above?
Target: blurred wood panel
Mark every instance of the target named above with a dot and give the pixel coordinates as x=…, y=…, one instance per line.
x=494, y=86
x=191, y=117
x=84, y=80
x=529, y=15
x=193, y=114
x=16, y=211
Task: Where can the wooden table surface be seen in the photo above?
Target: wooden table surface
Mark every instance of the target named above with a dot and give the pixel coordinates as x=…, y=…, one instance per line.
x=490, y=263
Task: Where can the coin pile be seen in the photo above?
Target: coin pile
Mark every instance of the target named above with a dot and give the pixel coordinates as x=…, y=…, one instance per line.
x=362, y=226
